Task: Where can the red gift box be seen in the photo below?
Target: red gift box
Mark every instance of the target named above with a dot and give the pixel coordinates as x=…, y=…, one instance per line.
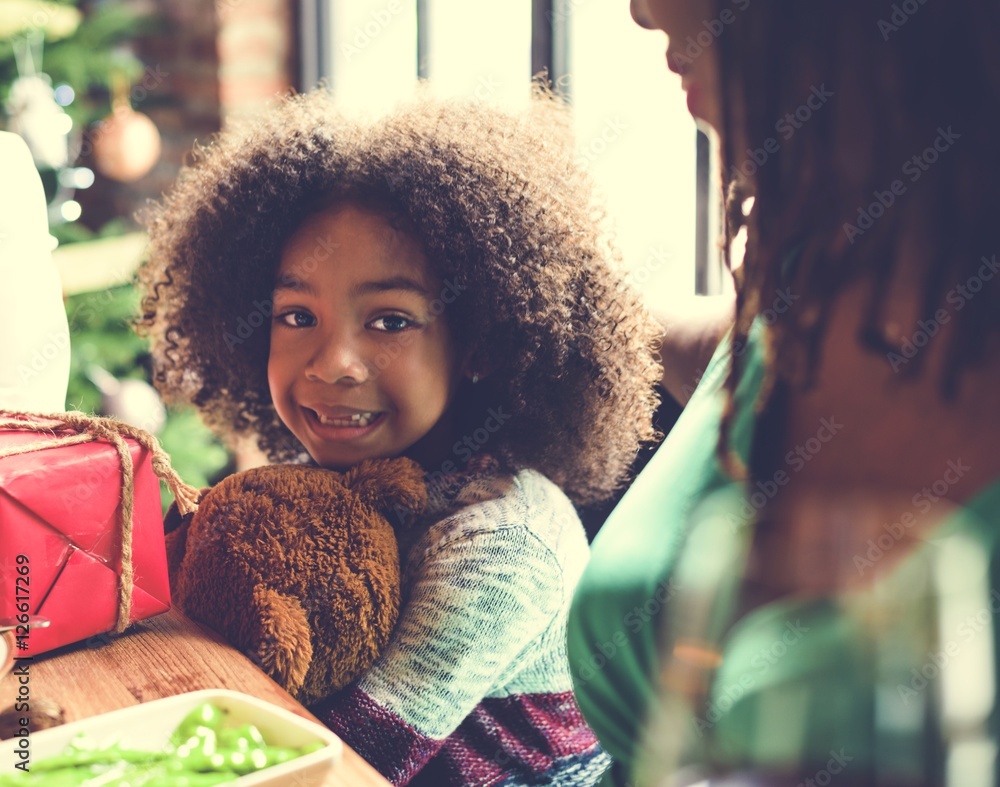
x=70, y=550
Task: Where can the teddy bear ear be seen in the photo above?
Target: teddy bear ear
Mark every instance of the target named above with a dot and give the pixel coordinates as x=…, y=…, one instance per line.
x=395, y=487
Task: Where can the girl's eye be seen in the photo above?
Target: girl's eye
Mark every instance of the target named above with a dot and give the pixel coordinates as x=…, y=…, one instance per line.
x=296, y=319
x=391, y=323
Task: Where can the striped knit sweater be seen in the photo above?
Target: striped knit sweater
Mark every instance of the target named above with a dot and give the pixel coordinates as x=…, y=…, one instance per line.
x=474, y=686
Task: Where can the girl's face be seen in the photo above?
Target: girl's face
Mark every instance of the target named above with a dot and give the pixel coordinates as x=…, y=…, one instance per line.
x=693, y=32
x=361, y=362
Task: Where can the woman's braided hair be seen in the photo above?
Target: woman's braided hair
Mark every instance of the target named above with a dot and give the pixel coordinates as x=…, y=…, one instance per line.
x=898, y=84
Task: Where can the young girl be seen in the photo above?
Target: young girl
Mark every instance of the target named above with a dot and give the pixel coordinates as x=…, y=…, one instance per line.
x=433, y=285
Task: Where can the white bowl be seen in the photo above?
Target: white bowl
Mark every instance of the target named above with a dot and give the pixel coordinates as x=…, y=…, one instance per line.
x=149, y=725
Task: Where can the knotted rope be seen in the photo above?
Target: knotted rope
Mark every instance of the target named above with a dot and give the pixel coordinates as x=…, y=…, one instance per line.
x=74, y=427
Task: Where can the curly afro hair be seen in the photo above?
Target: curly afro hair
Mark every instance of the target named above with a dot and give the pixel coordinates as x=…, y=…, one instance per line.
x=503, y=213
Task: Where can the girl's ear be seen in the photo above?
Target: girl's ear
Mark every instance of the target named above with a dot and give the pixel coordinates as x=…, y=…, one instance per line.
x=477, y=366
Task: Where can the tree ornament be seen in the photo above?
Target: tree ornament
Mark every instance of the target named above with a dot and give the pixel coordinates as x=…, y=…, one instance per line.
x=126, y=143
x=32, y=109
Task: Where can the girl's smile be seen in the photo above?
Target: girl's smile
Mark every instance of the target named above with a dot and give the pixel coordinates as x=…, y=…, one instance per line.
x=361, y=364
x=343, y=427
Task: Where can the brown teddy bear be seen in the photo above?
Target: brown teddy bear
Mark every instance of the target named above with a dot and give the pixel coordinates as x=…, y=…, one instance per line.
x=298, y=566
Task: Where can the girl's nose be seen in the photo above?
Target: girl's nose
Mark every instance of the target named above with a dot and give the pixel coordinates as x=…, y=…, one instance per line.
x=337, y=361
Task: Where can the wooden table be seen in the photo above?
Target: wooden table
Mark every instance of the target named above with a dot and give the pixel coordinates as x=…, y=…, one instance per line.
x=160, y=657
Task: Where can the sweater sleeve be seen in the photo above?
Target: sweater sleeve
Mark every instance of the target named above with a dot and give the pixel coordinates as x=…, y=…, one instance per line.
x=475, y=603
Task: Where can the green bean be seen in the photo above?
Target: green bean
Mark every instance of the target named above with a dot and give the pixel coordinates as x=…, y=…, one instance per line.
x=244, y=738
x=205, y=715
x=201, y=751
x=279, y=754
x=74, y=757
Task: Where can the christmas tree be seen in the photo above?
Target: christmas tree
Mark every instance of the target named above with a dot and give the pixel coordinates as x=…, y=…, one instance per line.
x=65, y=68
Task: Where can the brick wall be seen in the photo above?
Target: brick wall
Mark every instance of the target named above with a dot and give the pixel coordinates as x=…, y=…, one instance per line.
x=205, y=65
x=255, y=46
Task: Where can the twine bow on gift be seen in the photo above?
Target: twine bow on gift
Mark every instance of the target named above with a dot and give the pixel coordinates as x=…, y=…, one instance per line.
x=74, y=427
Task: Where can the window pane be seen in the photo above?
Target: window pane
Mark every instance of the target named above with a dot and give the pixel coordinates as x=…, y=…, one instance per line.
x=374, y=52
x=634, y=132
x=477, y=48
x=481, y=48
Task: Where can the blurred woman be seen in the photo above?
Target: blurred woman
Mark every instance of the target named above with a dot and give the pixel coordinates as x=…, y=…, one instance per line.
x=858, y=149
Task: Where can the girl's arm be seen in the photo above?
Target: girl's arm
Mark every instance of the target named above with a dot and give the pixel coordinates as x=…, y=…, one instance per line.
x=475, y=605
x=693, y=326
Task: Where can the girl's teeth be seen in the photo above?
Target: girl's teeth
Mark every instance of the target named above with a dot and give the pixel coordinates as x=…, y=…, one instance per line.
x=358, y=419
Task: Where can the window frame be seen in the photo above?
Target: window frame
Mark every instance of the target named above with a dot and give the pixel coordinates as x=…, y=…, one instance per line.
x=550, y=54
